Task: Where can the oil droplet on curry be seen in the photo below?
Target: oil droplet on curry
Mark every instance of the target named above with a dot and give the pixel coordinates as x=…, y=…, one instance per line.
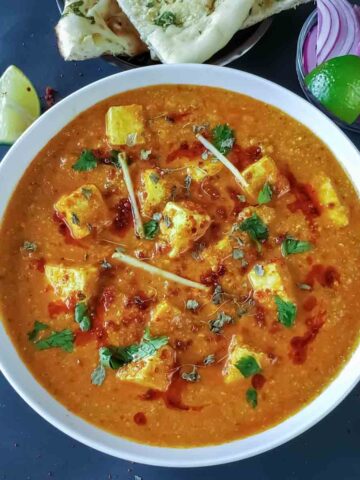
x=182, y=256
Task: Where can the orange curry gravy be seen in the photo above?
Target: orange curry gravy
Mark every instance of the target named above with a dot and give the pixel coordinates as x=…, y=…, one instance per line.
x=297, y=361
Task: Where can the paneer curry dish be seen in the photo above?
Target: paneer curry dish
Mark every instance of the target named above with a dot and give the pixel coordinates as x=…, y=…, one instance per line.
x=178, y=266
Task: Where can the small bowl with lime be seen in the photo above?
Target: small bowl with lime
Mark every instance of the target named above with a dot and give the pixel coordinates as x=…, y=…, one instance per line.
x=328, y=61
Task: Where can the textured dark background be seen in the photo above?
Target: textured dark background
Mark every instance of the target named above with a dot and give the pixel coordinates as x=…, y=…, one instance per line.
x=30, y=448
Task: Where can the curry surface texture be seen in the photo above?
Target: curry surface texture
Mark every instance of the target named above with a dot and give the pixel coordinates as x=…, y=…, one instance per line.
x=280, y=315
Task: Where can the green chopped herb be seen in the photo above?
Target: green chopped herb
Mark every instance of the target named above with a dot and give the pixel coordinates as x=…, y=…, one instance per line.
x=87, y=193
x=114, y=159
x=151, y=229
x=82, y=316
x=237, y=254
x=216, y=325
x=29, y=246
x=218, y=295
x=265, y=194
x=304, y=286
x=248, y=366
x=75, y=219
x=192, y=377
x=192, y=305
x=38, y=327
x=286, y=312
x=98, y=375
x=63, y=339
x=166, y=19
x=252, y=397
x=255, y=228
x=290, y=246
x=223, y=138
x=209, y=360
x=116, y=357
x=157, y=217
x=145, y=154
x=86, y=162
x=74, y=8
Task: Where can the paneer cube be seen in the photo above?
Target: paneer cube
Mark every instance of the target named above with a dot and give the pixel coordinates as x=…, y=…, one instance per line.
x=150, y=372
x=72, y=282
x=217, y=252
x=200, y=169
x=163, y=317
x=182, y=224
x=270, y=280
x=267, y=214
x=261, y=172
x=125, y=125
x=154, y=193
x=237, y=351
x=83, y=210
x=333, y=212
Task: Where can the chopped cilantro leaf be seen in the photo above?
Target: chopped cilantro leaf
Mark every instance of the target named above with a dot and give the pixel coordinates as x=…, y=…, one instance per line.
x=86, y=162
x=248, y=366
x=151, y=229
x=166, y=19
x=255, y=228
x=290, y=246
x=38, y=327
x=116, y=357
x=286, y=312
x=252, y=397
x=63, y=339
x=82, y=316
x=98, y=375
x=223, y=138
x=265, y=194
x=74, y=8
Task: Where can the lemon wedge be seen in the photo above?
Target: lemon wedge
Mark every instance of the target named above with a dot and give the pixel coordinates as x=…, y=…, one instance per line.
x=19, y=104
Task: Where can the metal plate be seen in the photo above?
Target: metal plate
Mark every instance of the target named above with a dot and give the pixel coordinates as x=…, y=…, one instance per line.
x=241, y=43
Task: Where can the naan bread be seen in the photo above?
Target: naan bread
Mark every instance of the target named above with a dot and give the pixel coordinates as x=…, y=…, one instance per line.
x=266, y=8
x=186, y=31
x=91, y=28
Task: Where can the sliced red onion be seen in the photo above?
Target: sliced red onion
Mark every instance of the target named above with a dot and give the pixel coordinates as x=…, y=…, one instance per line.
x=338, y=29
x=309, y=50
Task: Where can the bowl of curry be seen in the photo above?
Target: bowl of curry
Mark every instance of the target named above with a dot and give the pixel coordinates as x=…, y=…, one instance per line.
x=177, y=251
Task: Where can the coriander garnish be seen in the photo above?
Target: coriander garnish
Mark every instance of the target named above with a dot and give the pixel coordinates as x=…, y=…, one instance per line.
x=286, y=312
x=265, y=194
x=98, y=375
x=86, y=162
x=252, y=397
x=82, y=316
x=192, y=305
x=29, y=246
x=223, y=138
x=38, y=327
x=291, y=245
x=63, y=339
x=248, y=366
x=151, y=229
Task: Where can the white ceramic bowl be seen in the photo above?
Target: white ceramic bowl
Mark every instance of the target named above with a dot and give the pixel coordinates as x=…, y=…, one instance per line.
x=13, y=167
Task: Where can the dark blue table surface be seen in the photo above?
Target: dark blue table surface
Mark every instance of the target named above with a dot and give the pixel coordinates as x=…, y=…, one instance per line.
x=30, y=448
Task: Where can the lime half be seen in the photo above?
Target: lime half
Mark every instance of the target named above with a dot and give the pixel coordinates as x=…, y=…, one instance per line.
x=19, y=104
x=336, y=84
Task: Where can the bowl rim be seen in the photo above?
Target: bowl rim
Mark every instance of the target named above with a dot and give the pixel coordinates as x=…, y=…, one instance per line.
x=37, y=136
